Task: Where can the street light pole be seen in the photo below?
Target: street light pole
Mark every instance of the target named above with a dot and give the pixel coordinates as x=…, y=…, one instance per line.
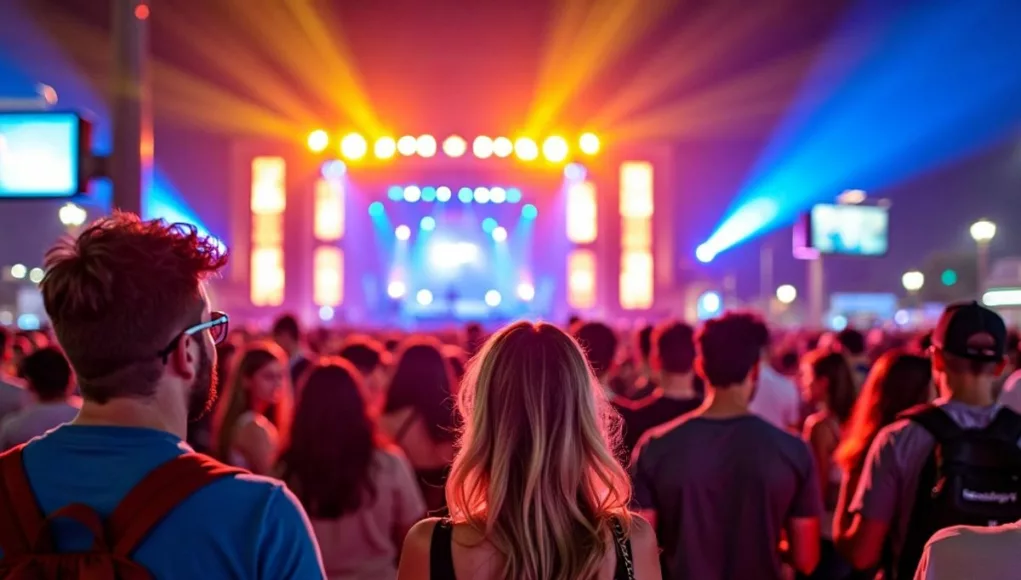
x=130, y=166
x=983, y=232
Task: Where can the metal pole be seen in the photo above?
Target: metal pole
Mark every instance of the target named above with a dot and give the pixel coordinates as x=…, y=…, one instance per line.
x=983, y=267
x=130, y=105
x=816, y=292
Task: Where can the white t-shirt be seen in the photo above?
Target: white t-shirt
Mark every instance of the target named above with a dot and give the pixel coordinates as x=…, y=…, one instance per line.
x=966, y=552
x=776, y=399
x=35, y=420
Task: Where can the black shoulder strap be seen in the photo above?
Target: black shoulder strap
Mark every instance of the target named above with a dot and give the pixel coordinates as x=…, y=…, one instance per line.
x=625, y=562
x=441, y=555
x=934, y=420
x=1006, y=425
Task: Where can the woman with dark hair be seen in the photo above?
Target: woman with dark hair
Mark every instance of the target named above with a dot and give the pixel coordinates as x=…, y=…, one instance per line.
x=419, y=414
x=360, y=493
x=829, y=388
x=898, y=381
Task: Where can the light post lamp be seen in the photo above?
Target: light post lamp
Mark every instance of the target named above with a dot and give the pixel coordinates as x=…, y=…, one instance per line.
x=983, y=232
x=913, y=281
x=72, y=216
x=786, y=294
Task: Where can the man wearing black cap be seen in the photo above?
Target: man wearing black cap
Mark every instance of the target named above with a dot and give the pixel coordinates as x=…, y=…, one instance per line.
x=919, y=475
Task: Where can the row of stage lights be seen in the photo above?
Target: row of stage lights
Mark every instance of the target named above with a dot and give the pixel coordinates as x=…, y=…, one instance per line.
x=443, y=194
x=528, y=212
x=428, y=224
x=354, y=146
x=398, y=290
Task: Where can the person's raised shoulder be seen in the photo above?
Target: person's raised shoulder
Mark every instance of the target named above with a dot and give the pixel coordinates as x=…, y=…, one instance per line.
x=641, y=530
x=418, y=542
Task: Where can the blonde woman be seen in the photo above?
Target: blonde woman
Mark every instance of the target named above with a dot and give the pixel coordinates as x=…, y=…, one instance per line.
x=534, y=492
x=254, y=415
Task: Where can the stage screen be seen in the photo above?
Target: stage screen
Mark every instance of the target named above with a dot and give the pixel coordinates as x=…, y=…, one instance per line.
x=41, y=154
x=850, y=230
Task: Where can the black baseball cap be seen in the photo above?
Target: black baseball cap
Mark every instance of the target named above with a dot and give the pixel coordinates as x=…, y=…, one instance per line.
x=971, y=331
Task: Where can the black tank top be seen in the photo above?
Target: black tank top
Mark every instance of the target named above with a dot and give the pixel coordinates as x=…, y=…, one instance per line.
x=441, y=555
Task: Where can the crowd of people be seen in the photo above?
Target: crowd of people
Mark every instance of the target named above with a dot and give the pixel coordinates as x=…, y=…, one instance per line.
x=729, y=450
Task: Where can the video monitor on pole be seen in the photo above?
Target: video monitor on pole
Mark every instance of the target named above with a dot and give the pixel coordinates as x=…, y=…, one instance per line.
x=43, y=154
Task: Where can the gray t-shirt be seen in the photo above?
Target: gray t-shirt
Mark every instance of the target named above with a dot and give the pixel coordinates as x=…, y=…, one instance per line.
x=889, y=481
x=722, y=490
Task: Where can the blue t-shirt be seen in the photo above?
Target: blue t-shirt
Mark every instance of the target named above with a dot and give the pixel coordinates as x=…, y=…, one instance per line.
x=237, y=527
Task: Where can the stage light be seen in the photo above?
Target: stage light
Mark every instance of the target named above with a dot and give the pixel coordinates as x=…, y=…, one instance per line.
x=454, y=146
x=575, y=172
x=412, y=193
x=529, y=211
x=424, y=297
x=451, y=255
x=786, y=294
x=482, y=147
x=427, y=224
x=502, y=147
x=499, y=234
x=376, y=209
x=589, y=143
x=489, y=224
x=396, y=289
x=385, y=148
x=493, y=298
x=318, y=141
x=705, y=254
x=426, y=145
x=35, y=275
x=72, y=215
x=353, y=146
x=395, y=192
x=526, y=291
x=513, y=195
x=443, y=193
x=19, y=271
x=709, y=304
x=326, y=313
x=429, y=193
x=526, y=149
x=555, y=149
x=498, y=195
x=481, y=195
x=407, y=145
x=334, y=169
x=402, y=232
x=465, y=194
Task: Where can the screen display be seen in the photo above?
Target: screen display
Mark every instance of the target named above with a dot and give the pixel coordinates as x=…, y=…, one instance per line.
x=853, y=230
x=40, y=154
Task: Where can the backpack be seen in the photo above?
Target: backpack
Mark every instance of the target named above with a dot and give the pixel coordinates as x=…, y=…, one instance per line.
x=25, y=534
x=972, y=477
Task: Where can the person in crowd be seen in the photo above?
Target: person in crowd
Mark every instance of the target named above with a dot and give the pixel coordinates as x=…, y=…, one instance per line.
x=673, y=358
x=12, y=391
x=789, y=364
x=535, y=491
x=48, y=377
x=244, y=435
x=200, y=432
x=721, y=485
x=1010, y=389
x=474, y=337
x=776, y=398
x=373, y=362
x=128, y=304
x=965, y=552
x=645, y=381
x=287, y=334
x=360, y=492
x=418, y=414
x=853, y=344
x=457, y=358
x=600, y=344
x=897, y=382
x=900, y=472
x=829, y=387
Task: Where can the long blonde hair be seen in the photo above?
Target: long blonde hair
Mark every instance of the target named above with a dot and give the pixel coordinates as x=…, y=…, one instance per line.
x=535, y=472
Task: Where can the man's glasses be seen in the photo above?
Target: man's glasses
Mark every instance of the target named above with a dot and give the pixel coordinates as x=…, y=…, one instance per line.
x=217, y=325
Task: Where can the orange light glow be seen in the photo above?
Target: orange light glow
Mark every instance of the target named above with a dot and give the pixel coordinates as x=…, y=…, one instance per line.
x=267, y=284
x=581, y=213
x=589, y=143
x=636, y=209
x=636, y=280
x=268, y=200
x=353, y=146
x=581, y=279
x=555, y=149
x=482, y=147
x=329, y=210
x=426, y=145
x=503, y=147
x=142, y=12
x=318, y=141
x=407, y=145
x=454, y=146
x=385, y=148
x=328, y=284
x=526, y=149
x=268, y=191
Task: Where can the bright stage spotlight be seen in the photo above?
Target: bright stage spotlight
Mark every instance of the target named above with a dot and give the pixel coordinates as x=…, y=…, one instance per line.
x=497, y=194
x=429, y=193
x=402, y=232
x=353, y=146
x=376, y=209
x=705, y=254
x=427, y=224
x=334, y=169
x=326, y=313
x=529, y=211
x=502, y=147
x=482, y=147
x=555, y=149
x=465, y=195
x=452, y=255
x=443, y=193
x=588, y=143
x=493, y=298
x=488, y=225
x=396, y=289
x=454, y=146
x=513, y=195
x=318, y=141
x=412, y=193
x=481, y=195
x=395, y=192
x=385, y=148
x=407, y=145
x=526, y=291
x=575, y=172
x=526, y=149
x=499, y=234
x=709, y=304
x=426, y=145
x=424, y=297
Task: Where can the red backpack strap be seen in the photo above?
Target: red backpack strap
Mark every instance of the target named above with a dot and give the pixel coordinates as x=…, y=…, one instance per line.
x=159, y=492
x=23, y=520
